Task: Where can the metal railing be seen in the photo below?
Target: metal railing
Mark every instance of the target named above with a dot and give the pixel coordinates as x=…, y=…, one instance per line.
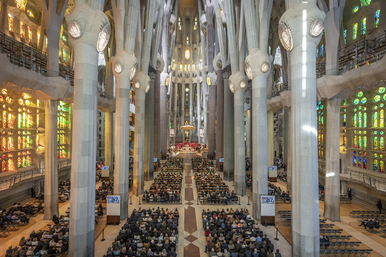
x=361, y=53
x=14, y=178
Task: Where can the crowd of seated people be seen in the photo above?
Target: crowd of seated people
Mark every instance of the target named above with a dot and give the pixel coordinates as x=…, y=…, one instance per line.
x=370, y=223
x=234, y=233
x=248, y=180
x=248, y=165
x=18, y=215
x=202, y=165
x=173, y=164
x=324, y=241
x=107, y=188
x=166, y=188
x=51, y=242
x=64, y=191
x=212, y=189
x=152, y=232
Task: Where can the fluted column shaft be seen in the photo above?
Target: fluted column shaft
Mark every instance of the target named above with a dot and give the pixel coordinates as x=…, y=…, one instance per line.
x=239, y=142
x=139, y=143
x=51, y=205
x=149, y=131
x=270, y=138
x=229, y=124
x=109, y=146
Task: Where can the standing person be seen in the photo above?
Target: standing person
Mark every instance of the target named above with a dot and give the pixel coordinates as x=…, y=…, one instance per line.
x=33, y=195
x=379, y=205
x=349, y=193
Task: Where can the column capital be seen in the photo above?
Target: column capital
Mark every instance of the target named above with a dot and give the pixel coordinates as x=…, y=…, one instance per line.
x=124, y=65
x=291, y=25
x=141, y=82
x=88, y=26
x=211, y=79
x=257, y=63
x=238, y=82
x=217, y=63
x=160, y=63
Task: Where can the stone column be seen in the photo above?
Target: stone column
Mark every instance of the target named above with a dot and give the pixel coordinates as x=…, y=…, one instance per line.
x=109, y=146
x=157, y=120
x=82, y=203
x=270, y=138
x=164, y=113
x=183, y=105
x=175, y=112
x=149, y=129
x=289, y=151
x=190, y=107
x=198, y=111
x=332, y=180
x=302, y=47
x=51, y=205
x=219, y=109
x=229, y=149
x=239, y=142
x=122, y=125
x=141, y=84
x=248, y=130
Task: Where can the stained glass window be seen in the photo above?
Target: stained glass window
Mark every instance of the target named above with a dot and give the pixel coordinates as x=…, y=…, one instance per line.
x=321, y=50
x=377, y=98
x=356, y=101
x=22, y=30
x=317, y=53
x=375, y=165
x=355, y=161
x=364, y=163
x=376, y=18
x=344, y=120
x=365, y=142
x=375, y=119
x=381, y=90
x=356, y=8
x=359, y=162
x=360, y=142
x=363, y=100
x=10, y=23
x=381, y=166
x=355, y=31
x=355, y=142
x=29, y=34
x=364, y=26
x=375, y=143
x=381, y=144
x=381, y=118
x=355, y=120
x=365, y=119
x=345, y=35
x=359, y=119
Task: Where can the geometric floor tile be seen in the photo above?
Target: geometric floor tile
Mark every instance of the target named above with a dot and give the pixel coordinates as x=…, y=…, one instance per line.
x=191, y=238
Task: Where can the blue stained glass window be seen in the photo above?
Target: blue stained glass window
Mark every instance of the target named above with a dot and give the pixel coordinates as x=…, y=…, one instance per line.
x=321, y=50
x=364, y=26
x=345, y=36
x=317, y=53
x=376, y=18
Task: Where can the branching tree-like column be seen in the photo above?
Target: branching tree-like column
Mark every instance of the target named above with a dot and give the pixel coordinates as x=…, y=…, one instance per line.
x=124, y=68
x=300, y=30
x=89, y=31
x=52, y=20
x=333, y=26
x=141, y=84
x=257, y=66
x=237, y=85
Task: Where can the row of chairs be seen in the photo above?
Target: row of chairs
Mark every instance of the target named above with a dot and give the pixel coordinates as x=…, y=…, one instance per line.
x=326, y=225
x=348, y=252
x=331, y=231
x=339, y=238
x=340, y=245
x=357, y=213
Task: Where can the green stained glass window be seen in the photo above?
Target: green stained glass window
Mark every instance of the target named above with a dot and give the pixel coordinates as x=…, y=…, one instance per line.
x=377, y=98
x=365, y=3
x=344, y=119
x=360, y=94
x=375, y=132
x=321, y=106
x=384, y=97
x=381, y=166
x=375, y=120
x=381, y=105
x=381, y=118
x=375, y=155
x=355, y=31
x=375, y=143
x=381, y=156
x=363, y=100
x=381, y=144
x=356, y=8
x=365, y=120
x=364, y=142
x=319, y=102
x=356, y=101
x=381, y=133
x=376, y=18
x=344, y=102
x=355, y=142
x=355, y=120
x=381, y=90
x=355, y=109
x=359, y=119
x=359, y=142
x=375, y=165
x=364, y=108
x=364, y=26
x=375, y=107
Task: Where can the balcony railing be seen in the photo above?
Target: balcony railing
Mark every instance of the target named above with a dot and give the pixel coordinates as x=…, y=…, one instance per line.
x=11, y=180
x=361, y=53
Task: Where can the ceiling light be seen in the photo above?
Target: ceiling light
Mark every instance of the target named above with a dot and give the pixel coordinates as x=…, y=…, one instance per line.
x=242, y=84
x=118, y=68
x=264, y=67
x=137, y=85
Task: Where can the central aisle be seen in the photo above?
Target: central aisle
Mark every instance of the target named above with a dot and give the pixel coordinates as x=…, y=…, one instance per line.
x=191, y=238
